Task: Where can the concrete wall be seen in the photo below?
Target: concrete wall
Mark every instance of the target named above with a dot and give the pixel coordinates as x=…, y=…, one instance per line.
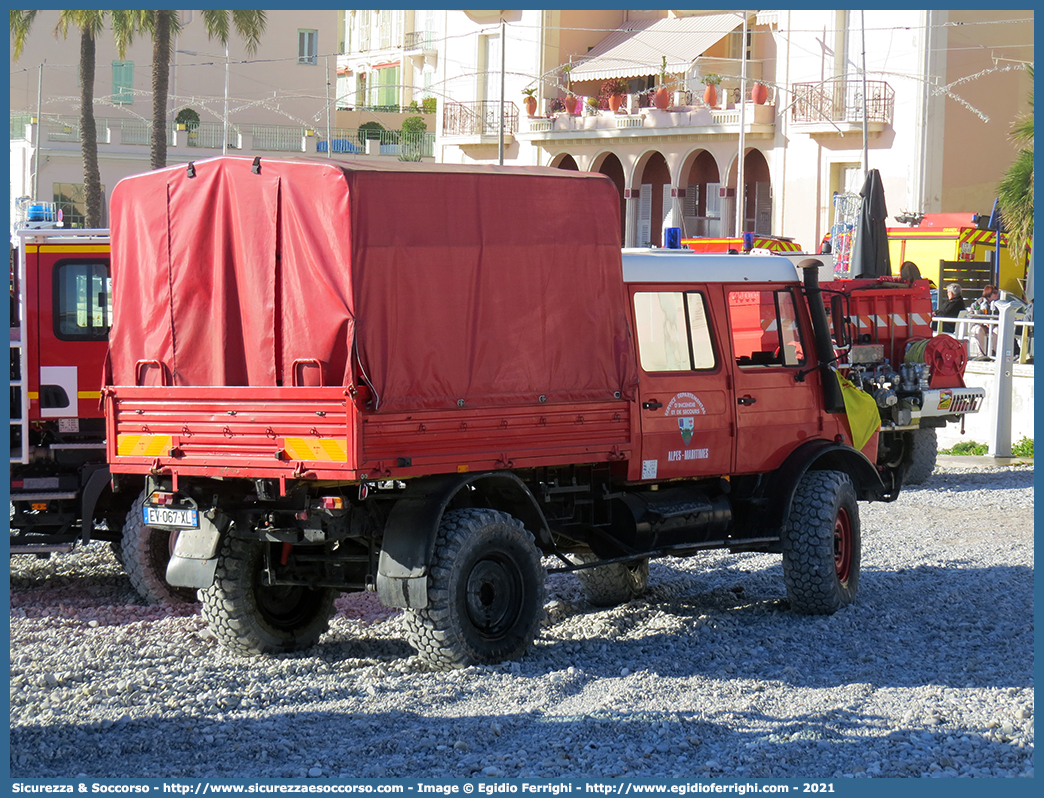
x=979, y=426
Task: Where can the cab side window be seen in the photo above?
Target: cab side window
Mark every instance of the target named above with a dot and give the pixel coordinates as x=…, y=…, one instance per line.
x=765, y=329
x=82, y=300
x=673, y=331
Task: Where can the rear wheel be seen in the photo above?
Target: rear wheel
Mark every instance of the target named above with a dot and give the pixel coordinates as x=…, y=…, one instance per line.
x=923, y=453
x=485, y=592
x=821, y=544
x=609, y=585
x=249, y=617
x=145, y=553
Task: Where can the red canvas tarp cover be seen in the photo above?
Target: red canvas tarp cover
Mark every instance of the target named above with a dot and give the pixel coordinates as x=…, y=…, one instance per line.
x=489, y=285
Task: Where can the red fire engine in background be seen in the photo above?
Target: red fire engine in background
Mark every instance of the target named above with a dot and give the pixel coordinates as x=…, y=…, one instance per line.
x=61, y=311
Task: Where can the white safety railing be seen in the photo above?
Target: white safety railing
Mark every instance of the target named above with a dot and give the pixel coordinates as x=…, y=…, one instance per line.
x=965, y=331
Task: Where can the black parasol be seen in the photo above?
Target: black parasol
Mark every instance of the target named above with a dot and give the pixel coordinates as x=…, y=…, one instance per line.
x=870, y=251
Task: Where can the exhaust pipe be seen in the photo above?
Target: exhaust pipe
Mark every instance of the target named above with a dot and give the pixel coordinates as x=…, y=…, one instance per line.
x=833, y=400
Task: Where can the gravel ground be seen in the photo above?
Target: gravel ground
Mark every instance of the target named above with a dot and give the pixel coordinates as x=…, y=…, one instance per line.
x=929, y=674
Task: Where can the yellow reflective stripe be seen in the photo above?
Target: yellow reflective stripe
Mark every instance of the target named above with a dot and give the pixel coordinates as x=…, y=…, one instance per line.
x=74, y=248
x=143, y=445
x=34, y=395
x=88, y=394
x=324, y=449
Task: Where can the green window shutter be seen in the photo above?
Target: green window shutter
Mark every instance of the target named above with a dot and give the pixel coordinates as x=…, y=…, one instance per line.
x=122, y=82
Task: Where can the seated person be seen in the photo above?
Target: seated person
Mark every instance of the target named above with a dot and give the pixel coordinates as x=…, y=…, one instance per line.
x=950, y=309
x=985, y=305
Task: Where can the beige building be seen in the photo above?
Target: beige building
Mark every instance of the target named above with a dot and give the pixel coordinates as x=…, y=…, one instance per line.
x=941, y=88
x=278, y=101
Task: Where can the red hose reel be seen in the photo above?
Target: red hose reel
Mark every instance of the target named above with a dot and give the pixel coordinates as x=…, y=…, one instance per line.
x=945, y=356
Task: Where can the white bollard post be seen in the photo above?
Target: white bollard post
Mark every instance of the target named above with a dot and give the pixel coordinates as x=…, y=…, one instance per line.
x=1000, y=441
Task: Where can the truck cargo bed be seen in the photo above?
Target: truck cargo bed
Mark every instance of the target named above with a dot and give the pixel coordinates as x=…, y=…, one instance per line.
x=318, y=433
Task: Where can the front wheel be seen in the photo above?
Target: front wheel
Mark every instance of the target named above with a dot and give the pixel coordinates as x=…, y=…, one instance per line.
x=249, y=617
x=821, y=544
x=485, y=592
x=144, y=553
x=923, y=454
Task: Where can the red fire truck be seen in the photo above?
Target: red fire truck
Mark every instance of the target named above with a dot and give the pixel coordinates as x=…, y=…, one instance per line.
x=61, y=311
x=420, y=379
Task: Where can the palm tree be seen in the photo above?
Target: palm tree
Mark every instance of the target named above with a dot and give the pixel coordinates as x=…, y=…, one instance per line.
x=1015, y=192
x=90, y=24
x=163, y=26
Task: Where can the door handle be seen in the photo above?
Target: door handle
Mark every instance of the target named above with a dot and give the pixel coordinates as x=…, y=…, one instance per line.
x=746, y=400
x=652, y=404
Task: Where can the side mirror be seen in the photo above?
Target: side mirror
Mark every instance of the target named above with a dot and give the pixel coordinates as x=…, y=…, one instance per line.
x=838, y=321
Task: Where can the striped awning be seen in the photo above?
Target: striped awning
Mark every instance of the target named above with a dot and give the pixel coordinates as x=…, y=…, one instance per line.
x=638, y=48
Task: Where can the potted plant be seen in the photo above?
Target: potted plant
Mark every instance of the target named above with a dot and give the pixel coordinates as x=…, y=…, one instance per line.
x=592, y=105
x=759, y=93
x=710, y=94
x=530, y=101
x=662, y=97
x=570, y=99
x=614, y=90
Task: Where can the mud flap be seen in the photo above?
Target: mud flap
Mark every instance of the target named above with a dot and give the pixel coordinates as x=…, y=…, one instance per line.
x=194, y=560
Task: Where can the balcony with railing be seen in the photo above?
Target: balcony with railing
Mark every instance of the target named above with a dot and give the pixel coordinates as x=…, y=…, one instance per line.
x=687, y=115
x=478, y=122
x=419, y=40
x=837, y=106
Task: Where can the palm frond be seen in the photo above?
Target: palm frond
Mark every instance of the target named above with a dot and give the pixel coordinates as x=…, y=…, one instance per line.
x=21, y=22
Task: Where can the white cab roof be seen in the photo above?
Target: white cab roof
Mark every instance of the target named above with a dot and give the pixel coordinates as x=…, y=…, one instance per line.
x=686, y=266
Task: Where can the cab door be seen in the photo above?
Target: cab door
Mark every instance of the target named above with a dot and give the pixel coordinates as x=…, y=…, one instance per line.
x=687, y=415
x=73, y=316
x=778, y=399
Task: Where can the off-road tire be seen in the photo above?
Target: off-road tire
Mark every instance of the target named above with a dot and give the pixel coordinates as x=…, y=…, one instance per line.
x=116, y=547
x=485, y=592
x=145, y=553
x=613, y=584
x=924, y=451
x=249, y=617
x=821, y=544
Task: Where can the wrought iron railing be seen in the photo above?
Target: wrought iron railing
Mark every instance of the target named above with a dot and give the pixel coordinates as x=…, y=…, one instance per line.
x=420, y=40
x=69, y=130
x=277, y=138
x=18, y=123
x=139, y=131
x=208, y=135
x=407, y=146
x=481, y=118
x=841, y=100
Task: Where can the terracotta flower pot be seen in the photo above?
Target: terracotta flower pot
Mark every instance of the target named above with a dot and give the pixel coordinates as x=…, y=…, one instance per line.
x=662, y=99
x=710, y=95
x=759, y=93
x=570, y=103
x=615, y=101
x=531, y=105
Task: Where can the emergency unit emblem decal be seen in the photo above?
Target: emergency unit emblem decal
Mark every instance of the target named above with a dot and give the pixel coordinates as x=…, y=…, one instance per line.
x=686, y=425
x=687, y=406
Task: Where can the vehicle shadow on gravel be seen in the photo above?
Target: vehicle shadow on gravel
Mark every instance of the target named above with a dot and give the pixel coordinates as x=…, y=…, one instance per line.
x=736, y=743
x=923, y=625
x=965, y=481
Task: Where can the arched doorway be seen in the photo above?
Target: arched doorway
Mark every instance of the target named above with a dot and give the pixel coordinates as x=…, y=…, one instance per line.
x=701, y=207
x=757, y=206
x=565, y=162
x=613, y=169
x=654, y=201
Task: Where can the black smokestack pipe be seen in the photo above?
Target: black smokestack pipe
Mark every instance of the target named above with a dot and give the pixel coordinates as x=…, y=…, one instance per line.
x=832, y=397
